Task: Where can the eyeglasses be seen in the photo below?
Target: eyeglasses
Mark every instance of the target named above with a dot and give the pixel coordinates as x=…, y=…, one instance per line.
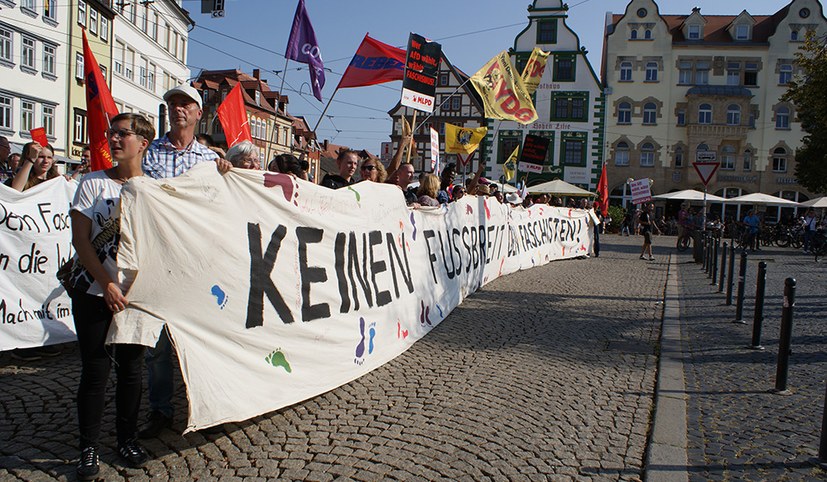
x=368, y=168
x=120, y=133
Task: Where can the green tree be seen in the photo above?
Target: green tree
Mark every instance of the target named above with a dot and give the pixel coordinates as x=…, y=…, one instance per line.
x=807, y=92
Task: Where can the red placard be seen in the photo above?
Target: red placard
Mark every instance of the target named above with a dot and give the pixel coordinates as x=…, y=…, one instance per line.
x=39, y=136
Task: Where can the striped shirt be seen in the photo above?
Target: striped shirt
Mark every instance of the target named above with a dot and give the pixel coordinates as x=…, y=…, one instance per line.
x=163, y=160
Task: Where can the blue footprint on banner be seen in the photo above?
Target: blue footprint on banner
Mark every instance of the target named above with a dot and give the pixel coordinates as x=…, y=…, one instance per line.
x=372, y=333
x=220, y=296
x=441, y=315
x=278, y=359
x=360, y=348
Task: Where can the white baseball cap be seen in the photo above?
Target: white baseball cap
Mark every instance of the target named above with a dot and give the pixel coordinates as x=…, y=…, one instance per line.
x=187, y=91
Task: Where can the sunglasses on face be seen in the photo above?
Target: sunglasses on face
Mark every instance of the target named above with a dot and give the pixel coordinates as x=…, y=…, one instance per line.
x=368, y=168
x=120, y=133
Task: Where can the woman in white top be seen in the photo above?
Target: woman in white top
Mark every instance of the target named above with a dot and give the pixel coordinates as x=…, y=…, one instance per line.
x=96, y=294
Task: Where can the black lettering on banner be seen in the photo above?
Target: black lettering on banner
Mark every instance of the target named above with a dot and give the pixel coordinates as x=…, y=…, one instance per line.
x=261, y=267
x=474, y=254
x=4, y=261
x=428, y=235
x=489, y=247
x=310, y=274
x=450, y=272
x=393, y=253
x=376, y=267
x=339, y=250
x=32, y=262
x=465, y=232
x=361, y=274
x=42, y=208
x=483, y=255
x=455, y=242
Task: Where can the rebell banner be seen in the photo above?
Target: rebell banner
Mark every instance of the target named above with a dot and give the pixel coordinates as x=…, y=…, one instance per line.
x=309, y=287
x=421, y=66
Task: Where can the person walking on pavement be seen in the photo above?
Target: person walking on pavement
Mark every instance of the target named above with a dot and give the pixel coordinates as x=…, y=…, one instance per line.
x=753, y=224
x=646, y=219
x=170, y=156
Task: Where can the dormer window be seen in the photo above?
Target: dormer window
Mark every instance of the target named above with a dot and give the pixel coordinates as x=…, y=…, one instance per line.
x=258, y=98
x=742, y=32
x=694, y=32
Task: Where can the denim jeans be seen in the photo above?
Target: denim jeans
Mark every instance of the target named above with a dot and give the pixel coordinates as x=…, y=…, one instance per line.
x=159, y=370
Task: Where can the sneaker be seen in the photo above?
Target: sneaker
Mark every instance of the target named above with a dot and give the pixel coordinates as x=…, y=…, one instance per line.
x=642, y=257
x=651, y=258
x=89, y=464
x=155, y=424
x=133, y=454
x=25, y=354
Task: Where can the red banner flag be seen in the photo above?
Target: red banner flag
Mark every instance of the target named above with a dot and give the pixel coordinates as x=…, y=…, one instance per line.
x=374, y=63
x=603, y=192
x=100, y=108
x=233, y=117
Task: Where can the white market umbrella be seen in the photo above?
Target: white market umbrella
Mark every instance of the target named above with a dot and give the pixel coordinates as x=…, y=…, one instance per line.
x=689, y=195
x=819, y=202
x=760, y=198
x=560, y=188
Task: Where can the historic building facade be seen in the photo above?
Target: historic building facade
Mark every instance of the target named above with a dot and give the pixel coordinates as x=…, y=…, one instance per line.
x=569, y=103
x=687, y=87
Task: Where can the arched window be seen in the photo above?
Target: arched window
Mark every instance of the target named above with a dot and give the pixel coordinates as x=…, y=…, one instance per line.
x=633, y=34
x=622, y=154
x=704, y=114
x=647, y=34
x=626, y=71
x=679, y=156
x=733, y=115
x=782, y=118
x=647, y=155
x=779, y=160
x=728, y=158
x=650, y=112
x=624, y=113
x=651, y=71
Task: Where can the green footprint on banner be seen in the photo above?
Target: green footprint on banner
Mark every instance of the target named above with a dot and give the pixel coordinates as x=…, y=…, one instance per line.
x=277, y=359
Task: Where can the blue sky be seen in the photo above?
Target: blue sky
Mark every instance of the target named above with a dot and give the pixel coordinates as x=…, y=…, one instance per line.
x=253, y=34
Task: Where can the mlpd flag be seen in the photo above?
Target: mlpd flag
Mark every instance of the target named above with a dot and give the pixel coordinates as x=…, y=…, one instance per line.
x=463, y=140
x=233, y=117
x=534, y=68
x=503, y=93
x=603, y=192
x=303, y=47
x=374, y=63
x=100, y=108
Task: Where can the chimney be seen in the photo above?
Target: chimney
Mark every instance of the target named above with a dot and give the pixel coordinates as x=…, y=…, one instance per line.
x=325, y=145
x=257, y=74
x=696, y=10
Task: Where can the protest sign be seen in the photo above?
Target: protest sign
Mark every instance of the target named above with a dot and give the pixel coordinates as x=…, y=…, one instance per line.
x=39, y=136
x=35, y=240
x=640, y=191
x=421, y=66
x=311, y=287
x=534, y=153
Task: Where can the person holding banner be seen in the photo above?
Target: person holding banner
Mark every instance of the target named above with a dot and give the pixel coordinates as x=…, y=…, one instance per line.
x=37, y=165
x=346, y=161
x=97, y=293
x=244, y=155
x=373, y=170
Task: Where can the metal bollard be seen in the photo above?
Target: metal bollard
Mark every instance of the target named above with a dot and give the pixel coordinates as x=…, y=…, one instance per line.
x=785, y=340
x=703, y=251
x=731, y=275
x=723, y=269
x=742, y=277
x=822, y=448
x=715, y=261
x=758, y=318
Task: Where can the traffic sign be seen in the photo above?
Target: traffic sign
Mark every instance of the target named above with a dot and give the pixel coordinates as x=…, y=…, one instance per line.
x=706, y=170
x=706, y=156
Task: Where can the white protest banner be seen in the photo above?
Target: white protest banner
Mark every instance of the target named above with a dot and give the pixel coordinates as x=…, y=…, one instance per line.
x=529, y=167
x=35, y=240
x=640, y=191
x=276, y=290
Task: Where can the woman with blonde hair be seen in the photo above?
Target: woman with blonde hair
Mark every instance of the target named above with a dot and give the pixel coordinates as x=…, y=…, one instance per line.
x=37, y=164
x=373, y=170
x=428, y=189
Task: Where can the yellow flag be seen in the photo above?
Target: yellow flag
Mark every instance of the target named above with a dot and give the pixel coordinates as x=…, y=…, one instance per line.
x=463, y=140
x=510, y=165
x=534, y=68
x=503, y=93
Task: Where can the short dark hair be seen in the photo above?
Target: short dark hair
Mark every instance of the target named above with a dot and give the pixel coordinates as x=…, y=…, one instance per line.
x=138, y=123
x=341, y=156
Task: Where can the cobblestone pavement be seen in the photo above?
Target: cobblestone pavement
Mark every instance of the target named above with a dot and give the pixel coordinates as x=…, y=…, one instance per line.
x=544, y=374
x=738, y=429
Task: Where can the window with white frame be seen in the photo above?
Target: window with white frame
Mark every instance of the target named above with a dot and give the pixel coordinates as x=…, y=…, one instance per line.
x=728, y=158
x=6, y=45
x=751, y=74
x=81, y=13
x=142, y=72
x=651, y=71
x=747, y=160
x=118, y=57
x=50, y=9
x=182, y=52
x=622, y=154
x=742, y=32
x=733, y=115
x=779, y=160
x=27, y=52
x=103, y=72
x=48, y=112
x=733, y=73
x=704, y=114
x=79, y=66
x=153, y=27
x=694, y=32
x=150, y=79
x=701, y=73
x=26, y=115
x=782, y=117
x=165, y=33
x=5, y=112
x=28, y=5
x=785, y=74
x=145, y=19
x=625, y=71
x=647, y=155
x=624, y=113
x=681, y=117
x=456, y=102
x=129, y=63
x=684, y=72
x=650, y=113
x=79, y=134
x=49, y=56
x=104, y=30
x=93, y=21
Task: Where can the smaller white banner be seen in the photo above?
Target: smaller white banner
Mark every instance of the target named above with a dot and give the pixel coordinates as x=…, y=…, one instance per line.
x=417, y=101
x=576, y=175
x=529, y=167
x=640, y=191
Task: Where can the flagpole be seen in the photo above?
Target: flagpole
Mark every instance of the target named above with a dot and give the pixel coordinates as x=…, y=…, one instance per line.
x=439, y=107
x=413, y=134
x=329, y=101
x=275, y=122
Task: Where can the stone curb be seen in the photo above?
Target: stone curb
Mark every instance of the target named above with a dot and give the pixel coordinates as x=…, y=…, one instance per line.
x=666, y=458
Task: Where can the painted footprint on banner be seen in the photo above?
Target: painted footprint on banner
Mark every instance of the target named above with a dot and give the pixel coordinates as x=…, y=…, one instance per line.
x=372, y=335
x=278, y=359
x=469, y=209
x=220, y=297
x=400, y=333
x=425, y=314
x=289, y=187
x=360, y=348
x=441, y=314
x=487, y=210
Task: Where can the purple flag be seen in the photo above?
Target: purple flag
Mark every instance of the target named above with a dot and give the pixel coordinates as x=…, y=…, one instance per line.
x=302, y=47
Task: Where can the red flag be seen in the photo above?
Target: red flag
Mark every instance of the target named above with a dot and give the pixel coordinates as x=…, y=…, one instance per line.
x=374, y=63
x=233, y=117
x=603, y=192
x=100, y=108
